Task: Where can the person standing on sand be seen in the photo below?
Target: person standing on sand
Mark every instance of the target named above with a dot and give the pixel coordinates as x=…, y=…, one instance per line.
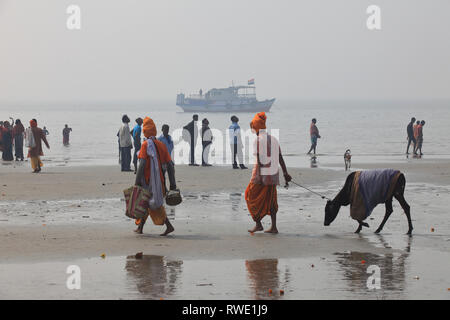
x=7, y=141
x=236, y=143
x=18, y=133
x=153, y=155
x=125, y=144
x=66, y=135
x=192, y=129
x=45, y=131
x=314, y=133
x=34, y=153
x=207, y=138
x=261, y=193
x=167, y=140
x=410, y=135
x=420, y=137
x=137, y=142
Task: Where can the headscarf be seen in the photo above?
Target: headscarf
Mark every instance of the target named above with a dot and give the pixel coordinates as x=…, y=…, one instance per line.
x=33, y=123
x=259, y=121
x=149, y=128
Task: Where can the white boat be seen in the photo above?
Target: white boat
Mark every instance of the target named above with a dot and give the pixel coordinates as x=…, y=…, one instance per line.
x=231, y=99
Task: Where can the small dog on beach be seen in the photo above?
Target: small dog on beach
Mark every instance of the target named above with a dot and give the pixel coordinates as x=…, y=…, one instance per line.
x=347, y=159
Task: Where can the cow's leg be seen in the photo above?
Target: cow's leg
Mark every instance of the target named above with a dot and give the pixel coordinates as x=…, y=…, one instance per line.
x=389, y=210
x=406, y=208
x=361, y=224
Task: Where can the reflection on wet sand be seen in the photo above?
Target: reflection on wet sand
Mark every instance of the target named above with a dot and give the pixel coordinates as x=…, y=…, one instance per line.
x=264, y=278
x=235, y=199
x=314, y=162
x=355, y=264
x=154, y=276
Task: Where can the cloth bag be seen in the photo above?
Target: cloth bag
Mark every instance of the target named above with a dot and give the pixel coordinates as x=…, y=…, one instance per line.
x=137, y=202
x=29, y=141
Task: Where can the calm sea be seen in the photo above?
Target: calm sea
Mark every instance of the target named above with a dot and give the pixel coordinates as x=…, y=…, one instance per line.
x=374, y=131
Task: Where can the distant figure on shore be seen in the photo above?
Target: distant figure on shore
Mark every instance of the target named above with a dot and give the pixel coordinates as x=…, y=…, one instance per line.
x=125, y=144
x=420, y=137
x=166, y=138
x=410, y=135
x=314, y=132
x=66, y=135
x=200, y=92
x=7, y=141
x=207, y=138
x=192, y=130
x=18, y=133
x=348, y=159
x=35, y=136
x=261, y=193
x=45, y=131
x=236, y=143
x=137, y=141
x=153, y=156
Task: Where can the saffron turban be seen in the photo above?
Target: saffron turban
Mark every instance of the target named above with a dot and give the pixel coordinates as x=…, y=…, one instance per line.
x=259, y=121
x=149, y=128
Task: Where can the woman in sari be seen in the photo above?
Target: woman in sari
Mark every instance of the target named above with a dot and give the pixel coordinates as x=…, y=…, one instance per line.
x=261, y=193
x=35, y=153
x=18, y=132
x=153, y=155
x=7, y=142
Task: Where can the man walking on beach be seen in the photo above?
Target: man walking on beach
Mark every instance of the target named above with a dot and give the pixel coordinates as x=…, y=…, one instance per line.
x=261, y=193
x=125, y=144
x=35, y=139
x=410, y=135
x=192, y=129
x=153, y=155
x=420, y=137
x=236, y=143
x=314, y=132
x=66, y=135
x=137, y=142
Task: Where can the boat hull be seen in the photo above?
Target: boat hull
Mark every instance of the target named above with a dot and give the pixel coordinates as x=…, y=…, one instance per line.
x=253, y=106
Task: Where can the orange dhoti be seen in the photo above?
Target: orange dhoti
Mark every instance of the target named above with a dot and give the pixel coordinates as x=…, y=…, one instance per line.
x=261, y=200
x=158, y=216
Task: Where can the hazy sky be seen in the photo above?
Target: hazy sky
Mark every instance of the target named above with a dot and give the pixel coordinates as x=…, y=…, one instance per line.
x=137, y=49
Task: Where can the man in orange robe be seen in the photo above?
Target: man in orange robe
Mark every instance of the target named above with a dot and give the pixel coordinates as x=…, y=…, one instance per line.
x=261, y=193
x=143, y=176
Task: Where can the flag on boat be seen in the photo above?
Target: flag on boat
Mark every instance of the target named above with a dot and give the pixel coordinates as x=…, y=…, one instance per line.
x=251, y=81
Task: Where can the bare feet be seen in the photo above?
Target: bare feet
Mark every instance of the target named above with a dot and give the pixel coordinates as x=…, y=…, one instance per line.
x=168, y=230
x=138, y=230
x=258, y=227
x=272, y=230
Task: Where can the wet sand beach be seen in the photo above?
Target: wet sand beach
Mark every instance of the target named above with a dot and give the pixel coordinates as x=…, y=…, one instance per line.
x=72, y=215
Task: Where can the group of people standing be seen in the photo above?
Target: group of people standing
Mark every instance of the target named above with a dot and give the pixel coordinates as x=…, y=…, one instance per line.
x=190, y=136
x=11, y=137
x=128, y=138
x=14, y=137
x=414, y=132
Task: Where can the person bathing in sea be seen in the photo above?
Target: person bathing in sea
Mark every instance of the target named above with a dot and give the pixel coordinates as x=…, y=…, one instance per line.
x=66, y=135
x=314, y=133
x=35, y=152
x=153, y=155
x=410, y=135
x=261, y=193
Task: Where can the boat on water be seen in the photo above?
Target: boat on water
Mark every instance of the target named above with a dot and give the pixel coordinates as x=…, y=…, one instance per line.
x=231, y=99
